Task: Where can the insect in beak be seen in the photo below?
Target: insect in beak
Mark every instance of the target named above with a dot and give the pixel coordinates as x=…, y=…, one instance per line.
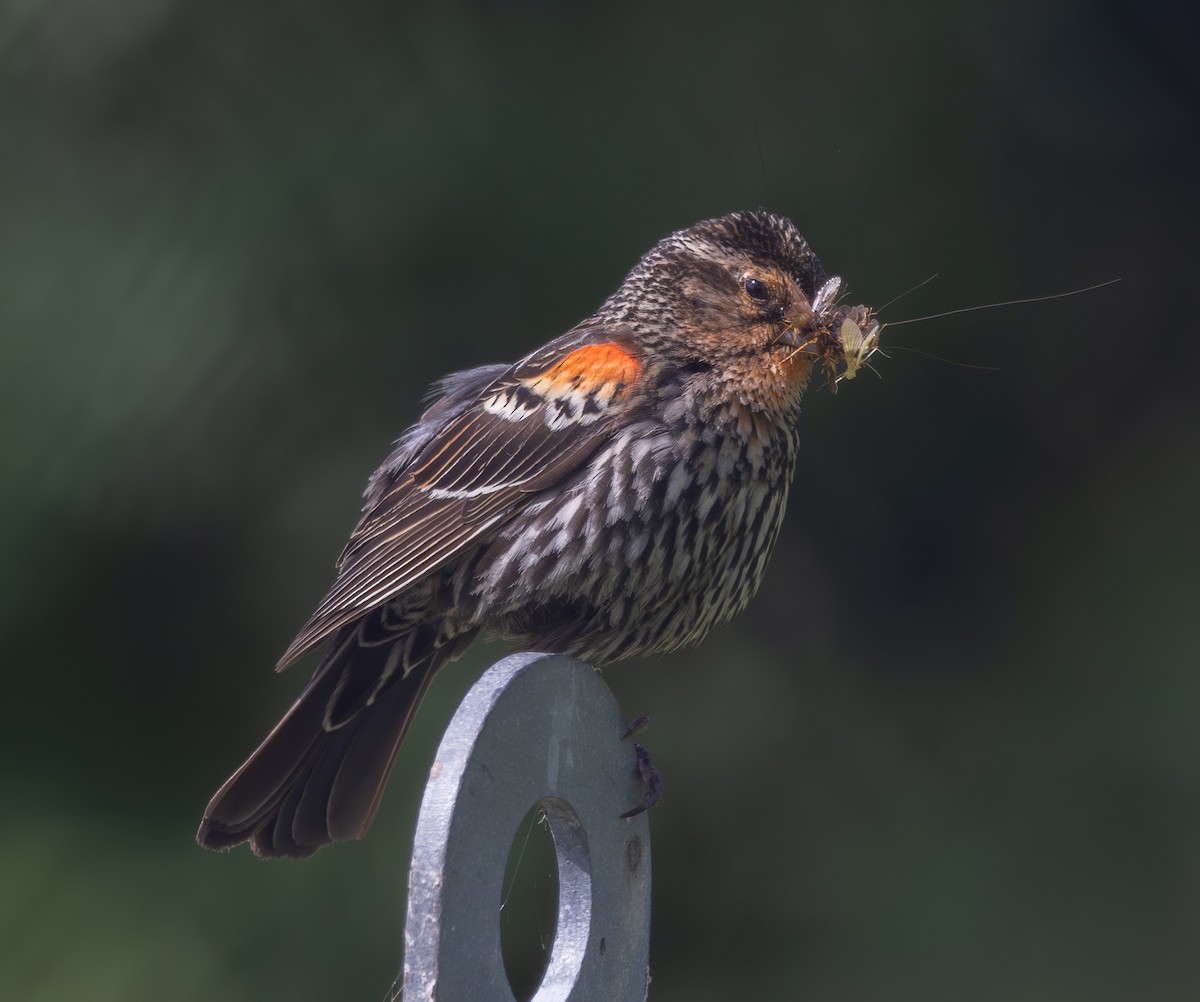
x=857, y=345
x=838, y=335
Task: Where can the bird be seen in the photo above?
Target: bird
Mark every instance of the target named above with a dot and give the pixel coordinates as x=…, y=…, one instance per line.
x=615, y=493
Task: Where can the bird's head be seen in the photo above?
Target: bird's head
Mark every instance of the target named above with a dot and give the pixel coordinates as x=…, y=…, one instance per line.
x=742, y=295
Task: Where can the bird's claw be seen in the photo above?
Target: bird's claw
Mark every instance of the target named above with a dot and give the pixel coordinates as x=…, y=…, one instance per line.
x=651, y=781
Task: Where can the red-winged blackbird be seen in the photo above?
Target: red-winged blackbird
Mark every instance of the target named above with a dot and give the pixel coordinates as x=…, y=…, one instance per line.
x=615, y=493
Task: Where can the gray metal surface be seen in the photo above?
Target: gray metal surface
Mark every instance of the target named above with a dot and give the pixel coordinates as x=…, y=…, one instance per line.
x=535, y=729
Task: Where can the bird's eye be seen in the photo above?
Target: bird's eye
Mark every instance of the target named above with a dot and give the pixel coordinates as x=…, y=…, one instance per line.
x=756, y=289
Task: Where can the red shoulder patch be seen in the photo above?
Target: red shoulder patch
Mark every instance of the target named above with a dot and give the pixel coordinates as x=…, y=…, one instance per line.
x=594, y=364
x=606, y=368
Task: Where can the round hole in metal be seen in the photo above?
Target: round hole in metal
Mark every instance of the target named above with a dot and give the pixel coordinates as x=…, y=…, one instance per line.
x=547, y=913
x=529, y=905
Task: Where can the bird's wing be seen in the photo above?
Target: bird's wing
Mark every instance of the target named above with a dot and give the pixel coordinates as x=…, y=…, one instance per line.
x=524, y=431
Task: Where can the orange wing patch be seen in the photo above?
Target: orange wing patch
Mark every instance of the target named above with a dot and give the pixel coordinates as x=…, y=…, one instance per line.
x=604, y=369
x=575, y=389
x=581, y=385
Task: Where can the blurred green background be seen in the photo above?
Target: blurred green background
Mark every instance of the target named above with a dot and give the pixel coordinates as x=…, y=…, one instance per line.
x=951, y=751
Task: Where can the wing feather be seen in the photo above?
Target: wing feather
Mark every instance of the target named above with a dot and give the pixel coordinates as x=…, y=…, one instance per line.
x=502, y=442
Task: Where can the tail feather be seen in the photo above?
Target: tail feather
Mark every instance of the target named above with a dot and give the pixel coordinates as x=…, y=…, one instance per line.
x=306, y=786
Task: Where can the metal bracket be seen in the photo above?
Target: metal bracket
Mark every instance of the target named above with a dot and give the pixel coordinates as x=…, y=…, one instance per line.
x=535, y=729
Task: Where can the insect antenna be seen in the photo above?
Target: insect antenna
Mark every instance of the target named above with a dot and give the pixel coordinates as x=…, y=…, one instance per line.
x=907, y=292
x=939, y=358
x=1007, y=302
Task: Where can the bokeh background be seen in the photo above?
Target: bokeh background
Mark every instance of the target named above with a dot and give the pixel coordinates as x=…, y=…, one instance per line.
x=950, y=752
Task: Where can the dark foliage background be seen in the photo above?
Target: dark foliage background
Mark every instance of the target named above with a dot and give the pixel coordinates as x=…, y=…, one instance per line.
x=951, y=752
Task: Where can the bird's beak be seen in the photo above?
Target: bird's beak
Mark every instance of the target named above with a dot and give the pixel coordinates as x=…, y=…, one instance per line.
x=794, y=338
x=799, y=333
x=802, y=323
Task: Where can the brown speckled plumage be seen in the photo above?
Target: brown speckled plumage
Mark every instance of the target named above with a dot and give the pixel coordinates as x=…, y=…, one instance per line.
x=615, y=493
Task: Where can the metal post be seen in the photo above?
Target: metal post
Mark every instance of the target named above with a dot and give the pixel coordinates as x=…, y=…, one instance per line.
x=535, y=729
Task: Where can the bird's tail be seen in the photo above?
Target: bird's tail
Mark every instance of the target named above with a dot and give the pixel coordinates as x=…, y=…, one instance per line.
x=319, y=775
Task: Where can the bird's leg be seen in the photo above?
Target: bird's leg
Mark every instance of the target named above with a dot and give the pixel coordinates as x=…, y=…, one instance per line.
x=651, y=779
